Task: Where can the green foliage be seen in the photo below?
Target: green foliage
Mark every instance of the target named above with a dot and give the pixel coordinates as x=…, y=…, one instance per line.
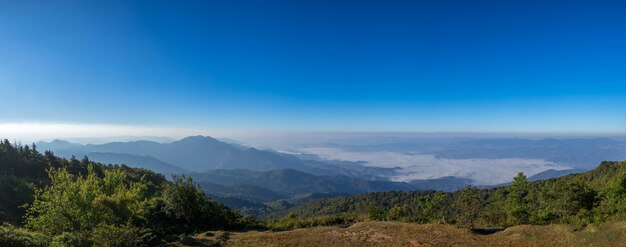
x=402, y=213
x=613, y=197
x=432, y=208
x=76, y=239
x=494, y=212
x=579, y=199
x=469, y=204
x=376, y=214
x=14, y=192
x=517, y=201
x=19, y=237
x=184, y=199
x=291, y=221
x=81, y=203
x=78, y=204
x=185, y=204
x=120, y=236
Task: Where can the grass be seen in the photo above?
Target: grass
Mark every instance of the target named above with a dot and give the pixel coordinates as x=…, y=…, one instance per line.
x=406, y=234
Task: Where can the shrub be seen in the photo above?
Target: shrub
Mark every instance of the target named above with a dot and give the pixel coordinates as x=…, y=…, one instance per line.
x=19, y=237
x=76, y=239
x=543, y=217
x=291, y=221
x=469, y=204
x=403, y=213
x=376, y=214
x=75, y=203
x=120, y=236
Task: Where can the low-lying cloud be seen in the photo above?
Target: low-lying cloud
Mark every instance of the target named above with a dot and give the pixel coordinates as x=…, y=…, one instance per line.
x=426, y=166
x=32, y=132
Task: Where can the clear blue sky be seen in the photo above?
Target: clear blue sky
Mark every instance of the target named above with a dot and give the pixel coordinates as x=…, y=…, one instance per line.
x=507, y=66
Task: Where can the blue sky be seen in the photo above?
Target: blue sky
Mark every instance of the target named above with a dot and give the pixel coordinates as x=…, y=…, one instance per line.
x=423, y=66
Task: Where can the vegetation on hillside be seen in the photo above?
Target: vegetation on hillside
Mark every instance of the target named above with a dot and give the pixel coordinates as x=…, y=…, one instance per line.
x=51, y=201
x=580, y=199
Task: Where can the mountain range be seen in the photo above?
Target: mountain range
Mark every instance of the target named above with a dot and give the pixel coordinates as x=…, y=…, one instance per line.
x=201, y=154
x=263, y=181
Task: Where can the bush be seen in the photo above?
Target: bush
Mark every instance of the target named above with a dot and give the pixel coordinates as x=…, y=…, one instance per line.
x=376, y=214
x=401, y=213
x=71, y=239
x=76, y=203
x=19, y=237
x=291, y=221
x=120, y=236
x=249, y=222
x=185, y=205
x=543, y=217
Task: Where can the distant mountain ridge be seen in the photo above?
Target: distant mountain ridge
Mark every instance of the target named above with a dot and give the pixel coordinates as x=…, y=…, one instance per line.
x=548, y=174
x=579, y=153
x=195, y=153
x=147, y=162
x=203, y=153
x=292, y=182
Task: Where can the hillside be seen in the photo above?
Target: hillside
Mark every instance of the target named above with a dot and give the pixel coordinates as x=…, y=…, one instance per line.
x=293, y=182
x=380, y=234
x=593, y=196
x=46, y=200
x=263, y=193
x=147, y=162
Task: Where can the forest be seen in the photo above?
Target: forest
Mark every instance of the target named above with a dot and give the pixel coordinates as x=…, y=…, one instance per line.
x=50, y=201
x=592, y=197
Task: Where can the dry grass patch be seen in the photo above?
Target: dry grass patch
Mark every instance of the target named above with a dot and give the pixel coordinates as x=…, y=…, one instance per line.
x=406, y=234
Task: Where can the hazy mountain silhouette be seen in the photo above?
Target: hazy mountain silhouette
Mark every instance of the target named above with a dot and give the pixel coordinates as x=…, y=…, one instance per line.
x=203, y=153
x=580, y=153
x=553, y=174
x=147, y=162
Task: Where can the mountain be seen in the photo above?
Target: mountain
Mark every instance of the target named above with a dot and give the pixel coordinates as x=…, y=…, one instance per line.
x=293, y=182
x=442, y=184
x=195, y=153
x=575, y=152
x=301, y=199
x=579, y=153
x=203, y=153
x=263, y=193
x=147, y=162
x=58, y=145
x=241, y=191
x=548, y=174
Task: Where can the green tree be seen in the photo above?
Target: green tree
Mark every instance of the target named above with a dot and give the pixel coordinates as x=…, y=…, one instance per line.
x=401, y=213
x=375, y=213
x=469, y=204
x=184, y=199
x=613, y=196
x=79, y=204
x=185, y=202
x=495, y=212
x=432, y=208
x=517, y=203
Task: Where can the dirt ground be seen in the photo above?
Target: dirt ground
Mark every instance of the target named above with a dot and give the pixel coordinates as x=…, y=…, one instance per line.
x=405, y=234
